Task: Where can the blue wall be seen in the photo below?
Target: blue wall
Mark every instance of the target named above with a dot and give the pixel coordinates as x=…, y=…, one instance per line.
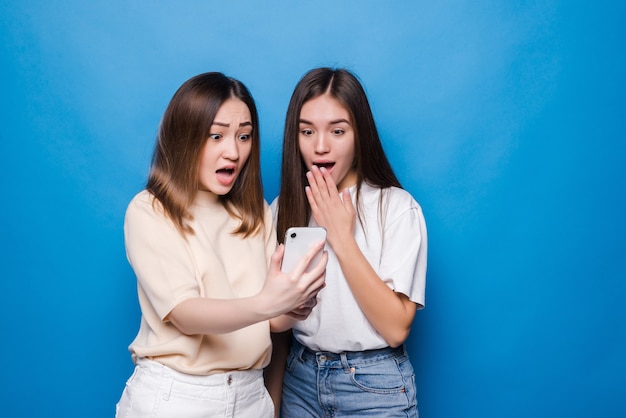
x=506, y=120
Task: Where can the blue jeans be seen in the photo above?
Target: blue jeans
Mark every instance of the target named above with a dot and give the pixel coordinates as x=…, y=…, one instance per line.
x=373, y=383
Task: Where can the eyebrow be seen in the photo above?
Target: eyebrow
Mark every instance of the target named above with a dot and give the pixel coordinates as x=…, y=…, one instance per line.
x=227, y=125
x=332, y=122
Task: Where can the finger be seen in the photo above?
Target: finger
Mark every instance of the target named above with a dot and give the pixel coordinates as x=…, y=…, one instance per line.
x=313, y=275
x=319, y=269
x=277, y=259
x=311, y=199
x=296, y=316
x=316, y=286
x=313, y=185
x=320, y=181
x=347, y=202
x=329, y=183
x=300, y=312
x=310, y=303
x=306, y=259
x=318, y=275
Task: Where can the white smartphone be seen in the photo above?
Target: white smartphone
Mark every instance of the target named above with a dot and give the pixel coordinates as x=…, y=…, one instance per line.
x=298, y=240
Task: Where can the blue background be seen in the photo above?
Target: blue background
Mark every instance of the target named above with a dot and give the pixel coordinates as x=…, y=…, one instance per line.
x=505, y=119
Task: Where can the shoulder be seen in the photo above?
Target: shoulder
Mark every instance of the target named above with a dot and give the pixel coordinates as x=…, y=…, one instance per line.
x=142, y=197
x=393, y=204
x=402, y=198
x=392, y=197
x=141, y=200
x=144, y=206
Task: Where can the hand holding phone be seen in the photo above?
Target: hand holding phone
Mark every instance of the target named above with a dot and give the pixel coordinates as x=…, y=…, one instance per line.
x=297, y=242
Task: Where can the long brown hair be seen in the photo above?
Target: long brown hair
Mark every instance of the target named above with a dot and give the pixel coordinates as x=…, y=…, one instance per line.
x=370, y=162
x=183, y=132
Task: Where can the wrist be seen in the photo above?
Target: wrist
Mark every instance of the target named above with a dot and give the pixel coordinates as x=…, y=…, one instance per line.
x=262, y=307
x=345, y=247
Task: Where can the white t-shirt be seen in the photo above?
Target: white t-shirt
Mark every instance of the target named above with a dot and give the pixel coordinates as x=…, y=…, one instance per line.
x=397, y=252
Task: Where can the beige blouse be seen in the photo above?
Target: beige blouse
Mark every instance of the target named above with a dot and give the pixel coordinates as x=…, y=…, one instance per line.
x=212, y=263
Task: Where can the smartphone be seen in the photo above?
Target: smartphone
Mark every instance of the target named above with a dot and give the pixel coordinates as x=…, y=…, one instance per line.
x=298, y=240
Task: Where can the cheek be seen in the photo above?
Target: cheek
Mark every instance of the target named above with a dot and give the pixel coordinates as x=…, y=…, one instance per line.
x=347, y=156
x=305, y=150
x=202, y=178
x=245, y=152
x=204, y=166
x=206, y=155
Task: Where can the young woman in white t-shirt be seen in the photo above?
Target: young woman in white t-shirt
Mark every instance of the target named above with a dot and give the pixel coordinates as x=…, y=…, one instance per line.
x=348, y=357
x=201, y=241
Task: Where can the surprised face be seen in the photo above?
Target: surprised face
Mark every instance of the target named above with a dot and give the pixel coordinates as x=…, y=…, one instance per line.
x=227, y=148
x=326, y=138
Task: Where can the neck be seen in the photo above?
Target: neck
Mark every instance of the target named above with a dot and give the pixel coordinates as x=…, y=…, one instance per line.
x=206, y=198
x=348, y=181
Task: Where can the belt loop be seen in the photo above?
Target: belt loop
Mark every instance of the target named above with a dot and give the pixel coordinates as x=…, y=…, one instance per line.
x=167, y=389
x=299, y=350
x=344, y=362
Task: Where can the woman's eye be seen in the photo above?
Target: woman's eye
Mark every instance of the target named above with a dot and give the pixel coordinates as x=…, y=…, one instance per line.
x=215, y=137
x=245, y=137
x=306, y=132
x=338, y=131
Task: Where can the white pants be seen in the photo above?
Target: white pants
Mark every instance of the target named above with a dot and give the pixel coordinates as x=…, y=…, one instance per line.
x=155, y=390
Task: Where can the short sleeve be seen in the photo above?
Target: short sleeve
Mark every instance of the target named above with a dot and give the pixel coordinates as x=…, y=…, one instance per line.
x=159, y=255
x=404, y=252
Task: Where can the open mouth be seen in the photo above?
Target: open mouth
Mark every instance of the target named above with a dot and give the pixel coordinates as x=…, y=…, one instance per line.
x=226, y=171
x=225, y=176
x=326, y=165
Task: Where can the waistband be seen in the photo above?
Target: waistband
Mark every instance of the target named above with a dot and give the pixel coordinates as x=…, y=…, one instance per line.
x=346, y=358
x=235, y=377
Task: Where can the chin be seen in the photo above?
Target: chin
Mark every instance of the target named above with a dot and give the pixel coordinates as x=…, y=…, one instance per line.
x=220, y=190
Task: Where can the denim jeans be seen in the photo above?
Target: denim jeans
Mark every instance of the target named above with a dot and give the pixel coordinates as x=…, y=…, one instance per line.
x=155, y=390
x=374, y=383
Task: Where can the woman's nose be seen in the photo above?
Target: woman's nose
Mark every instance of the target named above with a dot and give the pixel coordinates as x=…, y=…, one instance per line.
x=321, y=144
x=231, y=149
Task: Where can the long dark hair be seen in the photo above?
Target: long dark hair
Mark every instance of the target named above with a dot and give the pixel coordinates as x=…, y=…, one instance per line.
x=183, y=132
x=370, y=162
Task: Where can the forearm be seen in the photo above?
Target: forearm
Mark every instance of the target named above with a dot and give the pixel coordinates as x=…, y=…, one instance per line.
x=390, y=313
x=219, y=316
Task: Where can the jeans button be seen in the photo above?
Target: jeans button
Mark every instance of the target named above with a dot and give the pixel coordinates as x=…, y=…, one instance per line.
x=322, y=358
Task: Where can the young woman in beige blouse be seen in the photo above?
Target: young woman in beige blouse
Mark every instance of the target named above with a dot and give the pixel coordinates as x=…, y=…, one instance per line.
x=202, y=244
